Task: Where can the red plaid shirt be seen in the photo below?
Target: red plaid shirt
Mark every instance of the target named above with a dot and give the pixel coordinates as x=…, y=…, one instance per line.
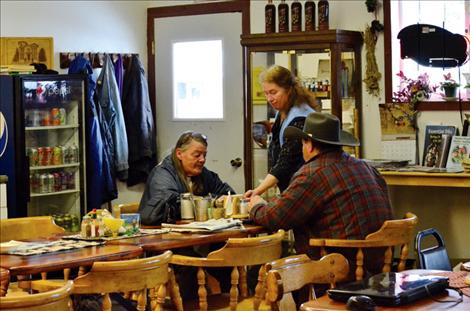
x=333, y=195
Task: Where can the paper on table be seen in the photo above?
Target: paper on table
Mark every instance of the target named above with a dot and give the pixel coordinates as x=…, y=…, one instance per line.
x=5, y=247
x=205, y=226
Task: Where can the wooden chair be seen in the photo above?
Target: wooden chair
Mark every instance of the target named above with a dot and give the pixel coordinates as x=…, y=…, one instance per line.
x=294, y=272
x=27, y=228
x=54, y=300
x=237, y=253
x=151, y=273
x=30, y=228
x=392, y=233
x=4, y=281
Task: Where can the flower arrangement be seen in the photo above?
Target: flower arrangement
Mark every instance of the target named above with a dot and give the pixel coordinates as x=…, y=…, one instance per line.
x=411, y=92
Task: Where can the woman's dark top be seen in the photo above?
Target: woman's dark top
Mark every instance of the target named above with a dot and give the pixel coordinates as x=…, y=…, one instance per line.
x=286, y=160
x=161, y=199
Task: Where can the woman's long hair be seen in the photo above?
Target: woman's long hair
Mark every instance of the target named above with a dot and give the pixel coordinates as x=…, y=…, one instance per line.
x=282, y=77
x=183, y=142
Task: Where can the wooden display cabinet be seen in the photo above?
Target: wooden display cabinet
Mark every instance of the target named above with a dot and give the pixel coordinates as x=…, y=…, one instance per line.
x=317, y=58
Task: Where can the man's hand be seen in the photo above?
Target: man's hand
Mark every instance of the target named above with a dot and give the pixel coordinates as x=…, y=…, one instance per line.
x=256, y=199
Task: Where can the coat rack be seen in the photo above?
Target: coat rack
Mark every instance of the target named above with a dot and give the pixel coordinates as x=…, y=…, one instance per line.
x=96, y=59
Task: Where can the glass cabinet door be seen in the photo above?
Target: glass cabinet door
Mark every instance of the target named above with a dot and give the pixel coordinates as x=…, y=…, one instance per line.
x=326, y=62
x=54, y=141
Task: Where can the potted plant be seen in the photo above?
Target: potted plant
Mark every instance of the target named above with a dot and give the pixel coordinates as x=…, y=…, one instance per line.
x=449, y=86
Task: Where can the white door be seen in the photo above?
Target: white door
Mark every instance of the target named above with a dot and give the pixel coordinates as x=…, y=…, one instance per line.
x=225, y=136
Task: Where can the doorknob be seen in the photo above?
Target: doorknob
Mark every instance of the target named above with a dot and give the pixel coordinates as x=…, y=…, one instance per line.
x=236, y=162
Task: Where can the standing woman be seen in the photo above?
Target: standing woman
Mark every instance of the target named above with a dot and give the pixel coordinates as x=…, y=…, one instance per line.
x=293, y=103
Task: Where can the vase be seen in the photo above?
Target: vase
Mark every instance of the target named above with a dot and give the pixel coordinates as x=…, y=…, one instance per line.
x=450, y=91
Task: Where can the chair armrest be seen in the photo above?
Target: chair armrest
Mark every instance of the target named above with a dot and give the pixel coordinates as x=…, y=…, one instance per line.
x=195, y=261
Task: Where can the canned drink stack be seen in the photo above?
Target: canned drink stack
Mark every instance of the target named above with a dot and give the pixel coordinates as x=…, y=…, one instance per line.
x=47, y=159
x=62, y=116
x=57, y=155
x=55, y=116
x=33, y=156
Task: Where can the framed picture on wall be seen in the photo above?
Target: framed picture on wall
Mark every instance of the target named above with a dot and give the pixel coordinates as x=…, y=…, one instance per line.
x=27, y=50
x=256, y=88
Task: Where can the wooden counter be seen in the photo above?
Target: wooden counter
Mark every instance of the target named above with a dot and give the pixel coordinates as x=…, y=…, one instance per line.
x=426, y=179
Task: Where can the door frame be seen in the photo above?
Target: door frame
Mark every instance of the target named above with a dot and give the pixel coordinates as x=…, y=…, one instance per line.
x=242, y=6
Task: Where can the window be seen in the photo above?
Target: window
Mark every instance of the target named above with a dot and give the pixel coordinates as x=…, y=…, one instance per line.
x=197, y=80
x=453, y=15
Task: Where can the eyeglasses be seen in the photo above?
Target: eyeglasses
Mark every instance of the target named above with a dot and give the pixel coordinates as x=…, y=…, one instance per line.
x=186, y=136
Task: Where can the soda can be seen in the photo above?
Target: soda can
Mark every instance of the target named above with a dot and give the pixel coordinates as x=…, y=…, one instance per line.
x=35, y=116
x=33, y=156
x=62, y=116
x=34, y=183
x=47, y=159
x=55, y=116
x=41, y=155
x=50, y=184
x=70, y=180
x=65, y=154
x=57, y=155
x=43, y=183
x=57, y=182
x=63, y=181
x=74, y=154
x=46, y=118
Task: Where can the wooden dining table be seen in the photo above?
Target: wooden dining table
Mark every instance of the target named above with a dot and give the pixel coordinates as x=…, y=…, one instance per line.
x=55, y=261
x=175, y=240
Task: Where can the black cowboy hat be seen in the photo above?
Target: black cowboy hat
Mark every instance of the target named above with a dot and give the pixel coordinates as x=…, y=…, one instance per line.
x=324, y=128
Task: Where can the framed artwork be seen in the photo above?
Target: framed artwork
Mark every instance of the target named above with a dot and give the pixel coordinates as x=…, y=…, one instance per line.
x=393, y=122
x=257, y=94
x=27, y=50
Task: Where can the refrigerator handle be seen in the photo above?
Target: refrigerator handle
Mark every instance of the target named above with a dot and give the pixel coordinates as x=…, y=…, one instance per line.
x=26, y=179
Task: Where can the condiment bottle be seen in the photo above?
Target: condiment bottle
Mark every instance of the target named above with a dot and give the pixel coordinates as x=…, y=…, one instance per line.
x=309, y=15
x=270, y=17
x=323, y=15
x=283, y=12
x=296, y=15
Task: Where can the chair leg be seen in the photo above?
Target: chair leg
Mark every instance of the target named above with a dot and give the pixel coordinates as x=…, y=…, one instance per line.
x=202, y=292
x=107, y=302
x=4, y=287
x=403, y=256
x=360, y=264
x=260, y=286
x=387, y=260
x=175, y=291
x=243, y=284
x=161, y=294
x=153, y=298
x=234, y=289
x=142, y=300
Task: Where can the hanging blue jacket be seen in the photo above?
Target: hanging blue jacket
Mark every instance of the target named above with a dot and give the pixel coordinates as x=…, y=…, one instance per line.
x=101, y=187
x=139, y=123
x=109, y=100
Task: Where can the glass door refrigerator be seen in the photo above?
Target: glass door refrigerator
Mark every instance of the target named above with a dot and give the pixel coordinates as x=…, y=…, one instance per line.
x=44, y=145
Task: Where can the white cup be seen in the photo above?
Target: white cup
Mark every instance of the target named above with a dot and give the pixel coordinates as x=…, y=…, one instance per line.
x=186, y=206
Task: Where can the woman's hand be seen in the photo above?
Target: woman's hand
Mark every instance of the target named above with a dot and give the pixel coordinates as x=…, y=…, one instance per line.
x=249, y=194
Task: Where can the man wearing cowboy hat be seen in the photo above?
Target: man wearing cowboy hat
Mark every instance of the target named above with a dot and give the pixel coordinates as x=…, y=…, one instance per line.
x=333, y=195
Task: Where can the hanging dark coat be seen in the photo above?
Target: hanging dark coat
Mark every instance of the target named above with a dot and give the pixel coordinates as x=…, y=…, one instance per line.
x=101, y=187
x=139, y=123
